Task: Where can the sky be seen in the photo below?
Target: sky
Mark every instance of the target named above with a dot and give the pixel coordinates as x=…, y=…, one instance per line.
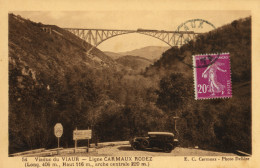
x=131, y=20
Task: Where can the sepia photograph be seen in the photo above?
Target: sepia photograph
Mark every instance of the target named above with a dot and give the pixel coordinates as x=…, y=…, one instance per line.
x=136, y=91
x=123, y=88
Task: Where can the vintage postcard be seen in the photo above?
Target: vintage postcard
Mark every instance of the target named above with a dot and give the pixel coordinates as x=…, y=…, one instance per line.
x=129, y=84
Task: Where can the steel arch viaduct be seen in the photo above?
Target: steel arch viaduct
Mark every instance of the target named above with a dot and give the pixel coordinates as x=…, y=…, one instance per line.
x=97, y=36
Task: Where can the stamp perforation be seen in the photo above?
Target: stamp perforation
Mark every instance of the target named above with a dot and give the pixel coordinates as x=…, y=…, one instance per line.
x=212, y=71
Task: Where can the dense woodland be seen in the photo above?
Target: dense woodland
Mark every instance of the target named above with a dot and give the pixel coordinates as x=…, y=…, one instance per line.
x=52, y=80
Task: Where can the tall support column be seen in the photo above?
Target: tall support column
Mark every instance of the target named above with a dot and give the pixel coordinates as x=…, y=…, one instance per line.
x=89, y=37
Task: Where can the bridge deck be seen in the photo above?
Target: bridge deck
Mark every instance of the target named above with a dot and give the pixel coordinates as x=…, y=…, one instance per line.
x=138, y=30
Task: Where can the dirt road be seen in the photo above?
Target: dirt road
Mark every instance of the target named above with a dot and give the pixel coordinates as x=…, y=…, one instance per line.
x=126, y=150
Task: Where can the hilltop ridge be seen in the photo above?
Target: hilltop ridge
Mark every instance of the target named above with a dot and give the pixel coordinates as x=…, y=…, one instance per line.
x=152, y=53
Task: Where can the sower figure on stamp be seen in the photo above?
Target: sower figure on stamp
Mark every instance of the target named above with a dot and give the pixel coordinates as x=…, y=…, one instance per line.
x=211, y=74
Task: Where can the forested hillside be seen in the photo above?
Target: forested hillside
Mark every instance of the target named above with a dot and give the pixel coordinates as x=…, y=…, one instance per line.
x=52, y=79
x=152, y=53
x=219, y=124
x=135, y=63
x=234, y=38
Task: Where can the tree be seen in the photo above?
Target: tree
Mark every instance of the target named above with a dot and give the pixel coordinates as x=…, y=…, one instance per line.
x=173, y=93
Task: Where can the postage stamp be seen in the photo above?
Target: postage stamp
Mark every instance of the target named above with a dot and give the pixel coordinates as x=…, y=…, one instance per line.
x=212, y=76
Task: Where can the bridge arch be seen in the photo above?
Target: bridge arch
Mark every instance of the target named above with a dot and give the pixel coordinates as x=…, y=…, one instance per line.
x=97, y=36
x=132, y=33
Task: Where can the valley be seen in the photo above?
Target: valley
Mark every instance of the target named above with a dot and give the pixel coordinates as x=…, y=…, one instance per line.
x=53, y=79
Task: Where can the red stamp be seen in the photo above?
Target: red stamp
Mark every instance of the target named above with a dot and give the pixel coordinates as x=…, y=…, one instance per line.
x=212, y=76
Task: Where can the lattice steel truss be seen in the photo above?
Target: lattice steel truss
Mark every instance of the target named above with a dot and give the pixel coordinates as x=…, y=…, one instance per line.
x=97, y=36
